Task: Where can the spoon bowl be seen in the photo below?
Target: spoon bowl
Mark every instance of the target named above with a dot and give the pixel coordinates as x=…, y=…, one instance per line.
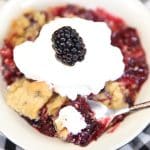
x=101, y=111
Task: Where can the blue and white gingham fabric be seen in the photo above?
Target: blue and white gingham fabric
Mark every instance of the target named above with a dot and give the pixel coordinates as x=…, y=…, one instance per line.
x=141, y=142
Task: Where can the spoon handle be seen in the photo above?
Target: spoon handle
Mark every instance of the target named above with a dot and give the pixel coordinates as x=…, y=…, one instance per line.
x=139, y=106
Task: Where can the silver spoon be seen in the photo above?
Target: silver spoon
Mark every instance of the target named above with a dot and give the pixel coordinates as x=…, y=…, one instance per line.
x=102, y=111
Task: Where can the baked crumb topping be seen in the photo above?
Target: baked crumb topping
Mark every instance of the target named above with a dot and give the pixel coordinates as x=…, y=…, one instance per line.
x=27, y=98
x=54, y=105
x=26, y=27
x=114, y=95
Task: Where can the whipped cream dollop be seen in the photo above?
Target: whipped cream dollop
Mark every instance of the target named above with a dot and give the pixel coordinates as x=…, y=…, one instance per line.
x=103, y=62
x=71, y=119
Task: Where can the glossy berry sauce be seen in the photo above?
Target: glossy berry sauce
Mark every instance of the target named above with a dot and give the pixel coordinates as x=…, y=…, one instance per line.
x=135, y=74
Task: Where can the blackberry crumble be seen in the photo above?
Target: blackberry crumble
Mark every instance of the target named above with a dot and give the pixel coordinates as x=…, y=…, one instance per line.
x=116, y=94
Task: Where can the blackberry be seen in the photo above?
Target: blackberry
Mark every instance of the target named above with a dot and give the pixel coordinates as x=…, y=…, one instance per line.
x=68, y=45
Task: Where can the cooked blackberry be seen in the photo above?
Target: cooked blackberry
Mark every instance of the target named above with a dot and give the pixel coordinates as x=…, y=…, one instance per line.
x=68, y=45
x=126, y=37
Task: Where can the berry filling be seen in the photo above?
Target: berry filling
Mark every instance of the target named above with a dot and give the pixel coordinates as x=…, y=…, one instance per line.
x=93, y=130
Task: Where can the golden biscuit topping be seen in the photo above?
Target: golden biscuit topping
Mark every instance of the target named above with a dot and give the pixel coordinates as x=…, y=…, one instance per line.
x=114, y=95
x=26, y=27
x=27, y=98
x=55, y=104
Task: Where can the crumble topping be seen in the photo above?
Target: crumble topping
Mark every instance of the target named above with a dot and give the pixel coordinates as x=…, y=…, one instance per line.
x=62, y=133
x=27, y=98
x=26, y=27
x=114, y=95
x=55, y=104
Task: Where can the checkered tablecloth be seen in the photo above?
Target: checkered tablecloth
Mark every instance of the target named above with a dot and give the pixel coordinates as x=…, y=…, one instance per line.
x=141, y=142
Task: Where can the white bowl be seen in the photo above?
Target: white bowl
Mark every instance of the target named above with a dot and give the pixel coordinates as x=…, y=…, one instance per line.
x=20, y=132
